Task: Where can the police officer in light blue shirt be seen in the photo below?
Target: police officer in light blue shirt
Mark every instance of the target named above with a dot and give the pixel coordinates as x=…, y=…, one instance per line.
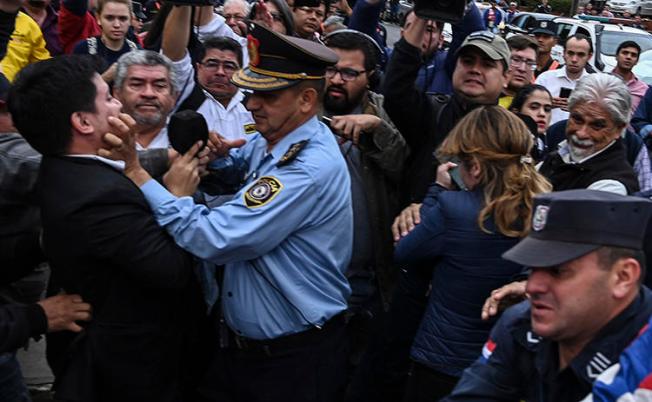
x=285, y=238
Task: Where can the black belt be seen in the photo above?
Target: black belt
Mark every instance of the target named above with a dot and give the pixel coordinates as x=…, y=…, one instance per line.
x=305, y=338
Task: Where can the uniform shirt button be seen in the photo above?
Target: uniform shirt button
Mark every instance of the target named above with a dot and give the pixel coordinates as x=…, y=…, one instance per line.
x=230, y=294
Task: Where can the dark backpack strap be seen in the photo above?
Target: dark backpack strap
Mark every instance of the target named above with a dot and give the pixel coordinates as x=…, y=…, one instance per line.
x=194, y=101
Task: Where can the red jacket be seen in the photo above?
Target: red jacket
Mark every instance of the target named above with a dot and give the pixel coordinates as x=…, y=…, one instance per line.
x=73, y=28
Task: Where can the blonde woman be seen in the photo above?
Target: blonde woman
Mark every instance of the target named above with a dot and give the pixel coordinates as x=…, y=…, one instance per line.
x=463, y=234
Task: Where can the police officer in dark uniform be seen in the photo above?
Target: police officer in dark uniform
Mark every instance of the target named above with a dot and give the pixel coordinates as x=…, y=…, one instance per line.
x=586, y=302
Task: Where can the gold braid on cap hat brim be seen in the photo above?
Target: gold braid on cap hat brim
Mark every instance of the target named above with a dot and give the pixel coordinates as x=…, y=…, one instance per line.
x=275, y=74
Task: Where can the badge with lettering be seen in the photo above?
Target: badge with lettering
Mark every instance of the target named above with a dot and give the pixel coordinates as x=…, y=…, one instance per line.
x=540, y=217
x=250, y=128
x=262, y=192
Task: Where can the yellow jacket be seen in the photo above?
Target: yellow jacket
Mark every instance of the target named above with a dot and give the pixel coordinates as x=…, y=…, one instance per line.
x=26, y=46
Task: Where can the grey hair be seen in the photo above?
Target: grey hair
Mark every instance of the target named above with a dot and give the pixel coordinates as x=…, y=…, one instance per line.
x=247, y=7
x=144, y=58
x=607, y=90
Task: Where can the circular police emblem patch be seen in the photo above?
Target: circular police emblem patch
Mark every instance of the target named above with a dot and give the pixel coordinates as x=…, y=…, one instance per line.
x=540, y=217
x=262, y=191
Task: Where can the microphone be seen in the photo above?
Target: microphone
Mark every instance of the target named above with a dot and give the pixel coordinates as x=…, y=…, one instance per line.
x=185, y=129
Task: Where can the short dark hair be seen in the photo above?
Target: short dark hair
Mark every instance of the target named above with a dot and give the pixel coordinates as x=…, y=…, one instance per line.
x=522, y=42
x=629, y=43
x=524, y=94
x=221, y=43
x=579, y=36
x=318, y=85
x=353, y=41
x=46, y=94
x=608, y=256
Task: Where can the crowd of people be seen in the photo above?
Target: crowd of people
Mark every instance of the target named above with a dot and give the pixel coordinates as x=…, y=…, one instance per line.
x=268, y=202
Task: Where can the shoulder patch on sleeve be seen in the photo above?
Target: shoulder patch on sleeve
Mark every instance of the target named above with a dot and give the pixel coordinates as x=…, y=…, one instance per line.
x=292, y=153
x=262, y=192
x=250, y=128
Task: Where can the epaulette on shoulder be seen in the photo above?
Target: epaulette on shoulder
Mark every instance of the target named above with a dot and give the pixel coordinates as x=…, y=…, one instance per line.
x=292, y=152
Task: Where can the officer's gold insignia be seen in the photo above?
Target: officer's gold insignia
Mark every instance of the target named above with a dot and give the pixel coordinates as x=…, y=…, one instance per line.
x=262, y=191
x=252, y=46
x=292, y=153
x=250, y=128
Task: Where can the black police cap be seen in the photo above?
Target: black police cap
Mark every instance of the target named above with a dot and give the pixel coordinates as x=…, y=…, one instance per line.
x=569, y=224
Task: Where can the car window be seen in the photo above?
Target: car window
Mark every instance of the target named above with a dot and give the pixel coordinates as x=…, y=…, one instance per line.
x=611, y=39
x=520, y=20
x=563, y=30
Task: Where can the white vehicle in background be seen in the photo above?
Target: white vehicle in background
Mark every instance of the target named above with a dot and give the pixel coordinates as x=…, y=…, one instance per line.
x=605, y=38
x=643, y=7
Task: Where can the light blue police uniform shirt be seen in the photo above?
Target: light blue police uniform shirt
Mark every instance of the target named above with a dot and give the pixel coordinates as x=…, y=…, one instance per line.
x=285, y=238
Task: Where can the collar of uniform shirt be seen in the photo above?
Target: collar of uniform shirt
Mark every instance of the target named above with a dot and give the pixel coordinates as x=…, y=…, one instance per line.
x=304, y=132
x=119, y=165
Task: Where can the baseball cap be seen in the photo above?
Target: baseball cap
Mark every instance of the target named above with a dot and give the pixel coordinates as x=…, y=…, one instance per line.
x=545, y=27
x=569, y=224
x=491, y=44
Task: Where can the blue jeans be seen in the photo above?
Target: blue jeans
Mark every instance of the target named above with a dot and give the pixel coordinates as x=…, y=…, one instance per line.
x=12, y=387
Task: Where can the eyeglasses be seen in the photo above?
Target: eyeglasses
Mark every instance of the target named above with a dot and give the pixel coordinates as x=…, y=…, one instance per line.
x=347, y=74
x=229, y=67
x=309, y=10
x=517, y=62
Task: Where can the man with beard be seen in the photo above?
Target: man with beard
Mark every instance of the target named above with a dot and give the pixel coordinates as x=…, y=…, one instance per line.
x=626, y=58
x=593, y=155
x=212, y=94
x=521, y=66
x=285, y=238
x=144, y=86
x=577, y=53
x=374, y=151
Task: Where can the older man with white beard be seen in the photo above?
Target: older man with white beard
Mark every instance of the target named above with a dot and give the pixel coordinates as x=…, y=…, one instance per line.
x=593, y=155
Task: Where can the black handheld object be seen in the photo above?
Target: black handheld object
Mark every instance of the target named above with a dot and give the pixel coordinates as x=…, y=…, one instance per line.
x=440, y=10
x=565, y=92
x=185, y=129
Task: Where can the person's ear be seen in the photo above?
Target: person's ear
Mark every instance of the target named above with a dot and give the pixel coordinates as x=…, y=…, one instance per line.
x=474, y=169
x=626, y=275
x=80, y=123
x=308, y=99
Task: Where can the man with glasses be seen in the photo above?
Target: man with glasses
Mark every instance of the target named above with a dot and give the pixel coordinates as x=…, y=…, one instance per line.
x=235, y=12
x=213, y=95
x=522, y=64
x=285, y=238
x=424, y=120
x=374, y=152
x=308, y=16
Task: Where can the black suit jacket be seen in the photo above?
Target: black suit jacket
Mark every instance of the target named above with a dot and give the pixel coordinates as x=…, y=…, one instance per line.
x=104, y=243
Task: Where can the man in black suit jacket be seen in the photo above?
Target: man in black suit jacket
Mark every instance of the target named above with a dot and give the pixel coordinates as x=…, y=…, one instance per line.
x=103, y=243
